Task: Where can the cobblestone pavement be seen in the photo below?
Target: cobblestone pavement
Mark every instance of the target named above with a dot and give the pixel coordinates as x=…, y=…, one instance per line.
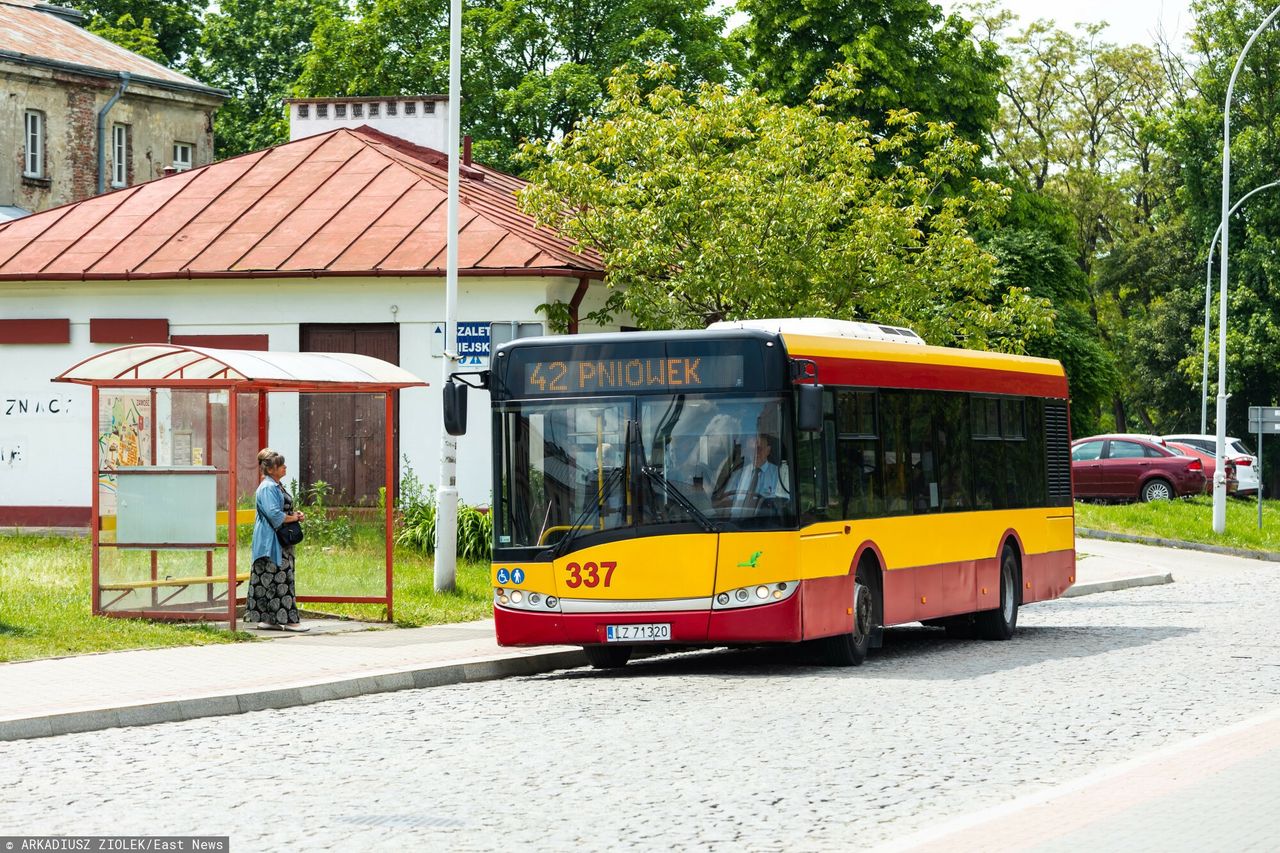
x=747, y=750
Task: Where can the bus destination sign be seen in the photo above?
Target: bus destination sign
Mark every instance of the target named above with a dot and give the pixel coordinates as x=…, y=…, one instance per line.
x=574, y=376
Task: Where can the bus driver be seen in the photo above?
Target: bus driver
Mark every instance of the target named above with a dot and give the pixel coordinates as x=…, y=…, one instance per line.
x=754, y=481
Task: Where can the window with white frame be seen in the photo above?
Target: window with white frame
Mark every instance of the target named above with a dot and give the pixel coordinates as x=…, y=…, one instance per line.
x=183, y=155
x=119, y=155
x=33, y=157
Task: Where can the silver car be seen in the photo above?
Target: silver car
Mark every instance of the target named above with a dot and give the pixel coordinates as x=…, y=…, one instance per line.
x=1237, y=451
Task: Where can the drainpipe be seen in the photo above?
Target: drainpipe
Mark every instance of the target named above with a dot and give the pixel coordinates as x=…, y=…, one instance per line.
x=576, y=303
x=102, y=132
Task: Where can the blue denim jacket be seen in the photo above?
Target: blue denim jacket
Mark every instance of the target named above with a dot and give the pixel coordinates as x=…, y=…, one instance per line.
x=270, y=504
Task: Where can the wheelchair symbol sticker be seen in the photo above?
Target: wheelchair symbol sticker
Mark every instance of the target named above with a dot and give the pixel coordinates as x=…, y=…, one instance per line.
x=503, y=576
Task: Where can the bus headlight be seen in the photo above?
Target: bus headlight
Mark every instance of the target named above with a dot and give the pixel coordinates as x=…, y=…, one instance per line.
x=748, y=596
x=524, y=599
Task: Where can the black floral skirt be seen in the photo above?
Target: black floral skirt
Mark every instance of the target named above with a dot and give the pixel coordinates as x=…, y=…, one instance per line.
x=271, y=591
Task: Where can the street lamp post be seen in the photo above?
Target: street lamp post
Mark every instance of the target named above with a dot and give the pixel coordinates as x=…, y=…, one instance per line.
x=1220, y=473
x=446, y=559
x=1208, y=288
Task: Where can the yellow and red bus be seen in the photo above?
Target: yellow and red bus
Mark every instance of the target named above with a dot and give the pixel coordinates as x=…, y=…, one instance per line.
x=775, y=481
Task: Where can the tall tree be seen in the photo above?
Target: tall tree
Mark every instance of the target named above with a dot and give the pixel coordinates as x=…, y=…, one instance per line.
x=255, y=49
x=531, y=69
x=1194, y=139
x=176, y=23
x=1079, y=123
x=141, y=38
x=696, y=199
x=908, y=55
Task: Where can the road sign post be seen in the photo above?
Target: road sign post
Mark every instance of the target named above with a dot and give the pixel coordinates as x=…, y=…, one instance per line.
x=1263, y=420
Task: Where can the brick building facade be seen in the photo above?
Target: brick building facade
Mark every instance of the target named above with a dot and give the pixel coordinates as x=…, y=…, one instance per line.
x=80, y=115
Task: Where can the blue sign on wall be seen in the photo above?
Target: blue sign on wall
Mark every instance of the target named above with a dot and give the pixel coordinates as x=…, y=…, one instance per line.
x=473, y=342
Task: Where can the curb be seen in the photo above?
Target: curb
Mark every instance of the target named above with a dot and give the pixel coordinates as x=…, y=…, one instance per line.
x=1117, y=584
x=1270, y=556
x=176, y=710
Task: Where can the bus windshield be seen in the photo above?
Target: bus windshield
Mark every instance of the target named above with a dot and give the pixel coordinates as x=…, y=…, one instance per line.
x=574, y=467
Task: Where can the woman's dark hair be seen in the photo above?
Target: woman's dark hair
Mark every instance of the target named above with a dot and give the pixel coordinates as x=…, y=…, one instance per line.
x=268, y=459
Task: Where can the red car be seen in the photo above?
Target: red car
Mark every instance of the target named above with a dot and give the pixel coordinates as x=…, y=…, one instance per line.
x=1210, y=465
x=1128, y=467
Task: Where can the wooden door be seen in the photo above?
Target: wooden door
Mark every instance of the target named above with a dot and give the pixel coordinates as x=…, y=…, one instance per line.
x=342, y=435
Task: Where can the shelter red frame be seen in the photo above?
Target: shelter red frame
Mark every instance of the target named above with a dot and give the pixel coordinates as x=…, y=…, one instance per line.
x=152, y=366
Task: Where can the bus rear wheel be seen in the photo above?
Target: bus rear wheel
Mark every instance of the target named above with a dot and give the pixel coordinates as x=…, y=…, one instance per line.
x=851, y=649
x=999, y=624
x=607, y=657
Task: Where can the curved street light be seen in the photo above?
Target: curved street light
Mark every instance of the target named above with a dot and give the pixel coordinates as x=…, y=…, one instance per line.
x=1208, y=287
x=1220, y=451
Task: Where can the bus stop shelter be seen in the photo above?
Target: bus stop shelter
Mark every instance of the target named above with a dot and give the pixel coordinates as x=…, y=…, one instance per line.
x=175, y=435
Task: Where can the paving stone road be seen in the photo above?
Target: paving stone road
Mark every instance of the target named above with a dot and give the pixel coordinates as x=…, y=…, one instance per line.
x=747, y=750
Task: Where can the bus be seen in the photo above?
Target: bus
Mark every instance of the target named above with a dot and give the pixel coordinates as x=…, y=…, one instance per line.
x=777, y=481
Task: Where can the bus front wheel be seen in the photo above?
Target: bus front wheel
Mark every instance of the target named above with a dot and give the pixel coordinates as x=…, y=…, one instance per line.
x=851, y=649
x=607, y=657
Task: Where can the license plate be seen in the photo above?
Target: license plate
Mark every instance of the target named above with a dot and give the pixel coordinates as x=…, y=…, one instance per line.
x=654, y=632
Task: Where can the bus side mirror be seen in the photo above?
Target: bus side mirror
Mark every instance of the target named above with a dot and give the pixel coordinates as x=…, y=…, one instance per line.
x=809, y=408
x=455, y=408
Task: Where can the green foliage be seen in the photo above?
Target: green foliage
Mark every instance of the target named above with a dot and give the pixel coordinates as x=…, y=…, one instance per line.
x=1079, y=129
x=908, y=54
x=418, y=522
x=169, y=30
x=324, y=525
x=255, y=50
x=1194, y=140
x=712, y=205
x=530, y=69
x=1034, y=248
x=142, y=38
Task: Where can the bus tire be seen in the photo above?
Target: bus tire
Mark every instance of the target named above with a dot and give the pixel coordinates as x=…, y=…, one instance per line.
x=607, y=657
x=851, y=649
x=999, y=624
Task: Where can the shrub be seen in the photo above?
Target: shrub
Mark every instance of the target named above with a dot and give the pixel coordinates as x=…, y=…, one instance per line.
x=417, y=521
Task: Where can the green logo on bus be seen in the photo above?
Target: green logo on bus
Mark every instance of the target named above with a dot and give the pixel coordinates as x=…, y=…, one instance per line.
x=751, y=563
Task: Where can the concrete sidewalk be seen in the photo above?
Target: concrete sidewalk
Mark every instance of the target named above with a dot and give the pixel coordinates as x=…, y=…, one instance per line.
x=90, y=692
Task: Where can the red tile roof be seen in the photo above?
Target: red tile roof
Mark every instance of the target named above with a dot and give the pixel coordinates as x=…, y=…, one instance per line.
x=346, y=202
x=28, y=34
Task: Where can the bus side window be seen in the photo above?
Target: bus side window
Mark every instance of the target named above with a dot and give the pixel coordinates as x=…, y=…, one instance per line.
x=816, y=468
x=809, y=479
x=953, y=447
x=896, y=451
x=857, y=451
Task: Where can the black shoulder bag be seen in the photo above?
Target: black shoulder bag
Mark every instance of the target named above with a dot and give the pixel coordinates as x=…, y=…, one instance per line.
x=289, y=533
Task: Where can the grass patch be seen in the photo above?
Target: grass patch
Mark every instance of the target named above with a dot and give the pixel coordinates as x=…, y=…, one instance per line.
x=45, y=612
x=45, y=593
x=1190, y=520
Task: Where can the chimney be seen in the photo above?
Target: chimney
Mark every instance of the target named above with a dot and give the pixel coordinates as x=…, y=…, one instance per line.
x=466, y=150
x=420, y=119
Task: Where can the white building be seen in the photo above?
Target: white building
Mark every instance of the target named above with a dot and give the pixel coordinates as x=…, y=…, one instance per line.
x=331, y=242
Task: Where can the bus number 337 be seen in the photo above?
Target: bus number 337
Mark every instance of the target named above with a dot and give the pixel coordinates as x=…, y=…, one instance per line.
x=589, y=574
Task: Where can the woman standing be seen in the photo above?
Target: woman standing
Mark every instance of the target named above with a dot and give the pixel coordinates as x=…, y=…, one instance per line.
x=272, y=602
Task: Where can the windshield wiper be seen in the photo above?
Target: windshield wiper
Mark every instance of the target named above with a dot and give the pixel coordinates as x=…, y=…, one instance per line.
x=606, y=489
x=681, y=498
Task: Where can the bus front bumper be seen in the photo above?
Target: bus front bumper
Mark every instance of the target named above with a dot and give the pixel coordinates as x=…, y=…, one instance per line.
x=776, y=622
